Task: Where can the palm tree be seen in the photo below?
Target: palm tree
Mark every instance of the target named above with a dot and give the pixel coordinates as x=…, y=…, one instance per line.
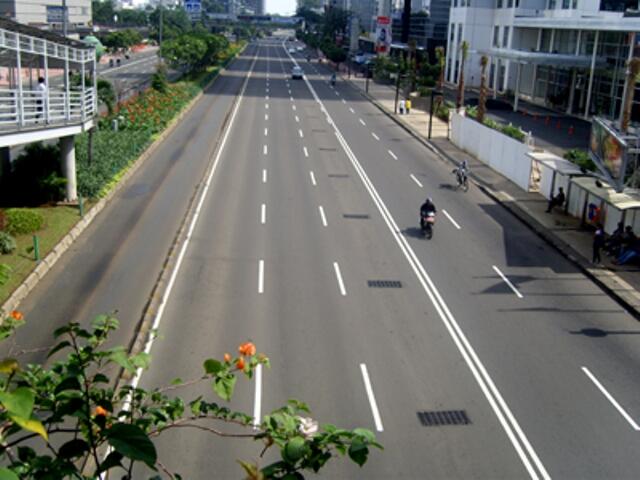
x=633, y=71
x=482, y=101
x=440, y=59
x=464, y=51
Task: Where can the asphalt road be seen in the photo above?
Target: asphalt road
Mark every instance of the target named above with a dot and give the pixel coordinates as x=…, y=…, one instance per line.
x=315, y=193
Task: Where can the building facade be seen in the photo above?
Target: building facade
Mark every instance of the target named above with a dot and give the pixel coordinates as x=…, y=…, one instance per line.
x=569, y=55
x=48, y=14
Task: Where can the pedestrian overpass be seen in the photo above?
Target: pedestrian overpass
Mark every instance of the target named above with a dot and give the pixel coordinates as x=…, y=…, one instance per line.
x=29, y=113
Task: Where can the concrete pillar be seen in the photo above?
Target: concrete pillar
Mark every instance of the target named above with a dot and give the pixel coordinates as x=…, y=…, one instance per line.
x=572, y=91
x=591, y=70
x=68, y=154
x=5, y=162
x=516, y=95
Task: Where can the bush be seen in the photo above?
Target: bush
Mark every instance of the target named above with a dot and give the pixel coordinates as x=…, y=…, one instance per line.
x=23, y=220
x=159, y=79
x=581, y=158
x=7, y=243
x=513, y=132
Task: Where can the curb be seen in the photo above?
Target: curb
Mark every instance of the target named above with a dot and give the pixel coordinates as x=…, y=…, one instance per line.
x=47, y=263
x=600, y=276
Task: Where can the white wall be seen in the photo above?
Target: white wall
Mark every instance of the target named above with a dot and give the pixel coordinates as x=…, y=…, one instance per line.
x=502, y=153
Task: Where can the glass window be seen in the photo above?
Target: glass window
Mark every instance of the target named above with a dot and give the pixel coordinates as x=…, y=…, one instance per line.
x=505, y=37
x=453, y=31
x=496, y=36
x=552, y=4
x=459, y=33
x=509, y=3
x=574, y=4
x=498, y=3
x=566, y=4
x=545, y=44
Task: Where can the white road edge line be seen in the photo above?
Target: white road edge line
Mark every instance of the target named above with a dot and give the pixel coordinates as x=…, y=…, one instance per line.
x=266, y=106
x=306, y=152
x=508, y=282
x=612, y=400
x=261, y=276
x=372, y=399
x=393, y=155
x=313, y=178
x=263, y=214
x=502, y=411
x=455, y=224
x=192, y=225
x=343, y=291
x=375, y=136
x=415, y=180
x=264, y=175
x=322, y=216
x=293, y=107
x=257, y=399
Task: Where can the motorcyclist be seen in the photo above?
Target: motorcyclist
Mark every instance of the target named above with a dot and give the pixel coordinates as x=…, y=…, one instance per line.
x=333, y=79
x=461, y=172
x=427, y=207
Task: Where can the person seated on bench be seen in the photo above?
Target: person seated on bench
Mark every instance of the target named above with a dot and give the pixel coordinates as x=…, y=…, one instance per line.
x=556, y=201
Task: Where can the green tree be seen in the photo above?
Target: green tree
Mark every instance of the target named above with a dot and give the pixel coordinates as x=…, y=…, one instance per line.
x=464, y=52
x=57, y=421
x=175, y=22
x=482, y=101
x=185, y=52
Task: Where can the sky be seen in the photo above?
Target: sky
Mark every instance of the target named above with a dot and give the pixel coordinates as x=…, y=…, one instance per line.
x=283, y=7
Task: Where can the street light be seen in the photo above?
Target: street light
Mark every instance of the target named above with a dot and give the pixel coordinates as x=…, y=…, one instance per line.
x=433, y=92
x=366, y=82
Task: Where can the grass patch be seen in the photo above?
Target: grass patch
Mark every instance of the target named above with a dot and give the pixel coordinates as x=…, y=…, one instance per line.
x=58, y=221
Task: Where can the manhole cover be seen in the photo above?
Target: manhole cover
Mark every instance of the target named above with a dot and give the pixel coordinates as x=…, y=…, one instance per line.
x=443, y=418
x=384, y=283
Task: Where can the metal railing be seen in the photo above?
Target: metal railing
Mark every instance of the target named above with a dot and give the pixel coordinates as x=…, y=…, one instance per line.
x=32, y=109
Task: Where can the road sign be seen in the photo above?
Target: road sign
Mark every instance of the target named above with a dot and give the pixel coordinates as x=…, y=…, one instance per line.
x=55, y=14
x=193, y=9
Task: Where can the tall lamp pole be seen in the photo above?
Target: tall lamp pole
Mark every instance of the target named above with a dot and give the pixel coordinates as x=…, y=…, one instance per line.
x=64, y=18
x=395, y=106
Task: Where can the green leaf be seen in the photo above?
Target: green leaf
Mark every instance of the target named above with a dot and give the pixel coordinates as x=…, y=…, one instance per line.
x=120, y=357
x=31, y=424
x=100, y=378
x=114, y=459
x=9, y=366
x=19, y=402
x=73, y=448
x=294, y=450
x=58, y=347
x=6, y=474
x=141, y=360
x=224, y=386
x=133, y=443
x=213, y=367
x=69, y=383
x=358, y=452
x=368, y=435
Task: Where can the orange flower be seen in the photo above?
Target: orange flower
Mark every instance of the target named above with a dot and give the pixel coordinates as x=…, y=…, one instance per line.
x=227, y=357
x=99, y=411
x=16, y=315
x=240, y=363
x=248, y=349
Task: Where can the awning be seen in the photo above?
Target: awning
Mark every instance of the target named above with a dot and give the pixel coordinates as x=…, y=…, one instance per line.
x=629, y=199
x=559, y=164
x=543, y=58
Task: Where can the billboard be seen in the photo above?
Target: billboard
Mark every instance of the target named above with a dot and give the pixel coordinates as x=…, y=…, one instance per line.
x=383, y=34
x=55, y=14
x=609, y=151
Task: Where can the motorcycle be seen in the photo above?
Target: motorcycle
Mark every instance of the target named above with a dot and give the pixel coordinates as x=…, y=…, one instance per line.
x=463, y=180
x=427, y=221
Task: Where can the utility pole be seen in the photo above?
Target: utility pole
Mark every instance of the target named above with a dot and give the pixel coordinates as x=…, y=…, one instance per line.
x=64, y=18
x=160, y=34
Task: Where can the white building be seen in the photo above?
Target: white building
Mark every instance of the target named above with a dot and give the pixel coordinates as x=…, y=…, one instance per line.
x=566, y=54
x=48, y=14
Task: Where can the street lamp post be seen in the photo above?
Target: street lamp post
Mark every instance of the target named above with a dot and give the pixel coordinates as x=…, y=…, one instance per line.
x=395, y=106
x=433, y=92
x=366, y=82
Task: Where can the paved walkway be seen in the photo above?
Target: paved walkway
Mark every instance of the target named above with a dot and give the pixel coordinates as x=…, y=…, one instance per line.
x=561, y=230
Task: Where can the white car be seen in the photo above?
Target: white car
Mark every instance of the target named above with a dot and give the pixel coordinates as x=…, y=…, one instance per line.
x=300, y=49
x=292, y=50
x=296, y=73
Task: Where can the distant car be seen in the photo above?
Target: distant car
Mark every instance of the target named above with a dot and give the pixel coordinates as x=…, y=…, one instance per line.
x=292, y=50
x=296, y=73
x=300, y=49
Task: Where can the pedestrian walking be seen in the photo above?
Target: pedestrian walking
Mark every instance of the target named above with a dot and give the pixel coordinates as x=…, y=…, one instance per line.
x=407, y=106
x=42, y=96
x=401, y=105
x=598, y=243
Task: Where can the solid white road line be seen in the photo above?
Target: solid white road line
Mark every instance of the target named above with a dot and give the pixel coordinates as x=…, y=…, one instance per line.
x=264, y=150
x=455, y=224
x=612, y=400
x=297, y=119
x=372, y=399
x=322, y=216
x=503, y=413
x=257, y=399
x=352, y=110
x=264, y=175
x=306, y=152
x=313, y=178
x=392, y=154
x=375, y=136
x=266, y=132
x=336, y=267
x=192, y=225
x=261, y=276
x=508, y=282
x=415, y=180
x=263, y=214
x=300, y=133
x=362, y=122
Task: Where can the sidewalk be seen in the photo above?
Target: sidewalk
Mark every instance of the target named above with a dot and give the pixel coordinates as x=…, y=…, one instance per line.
x=558, y=229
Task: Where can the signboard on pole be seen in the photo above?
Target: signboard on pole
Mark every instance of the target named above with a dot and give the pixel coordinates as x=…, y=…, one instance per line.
x=55, y=14
x=608, y=150
x=383, y=35
x=193, y=9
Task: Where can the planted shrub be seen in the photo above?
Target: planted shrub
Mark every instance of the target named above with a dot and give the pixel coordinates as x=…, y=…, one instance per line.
x=580, y=158
x=7, y=243
x=513, y=132
x=23, y=220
